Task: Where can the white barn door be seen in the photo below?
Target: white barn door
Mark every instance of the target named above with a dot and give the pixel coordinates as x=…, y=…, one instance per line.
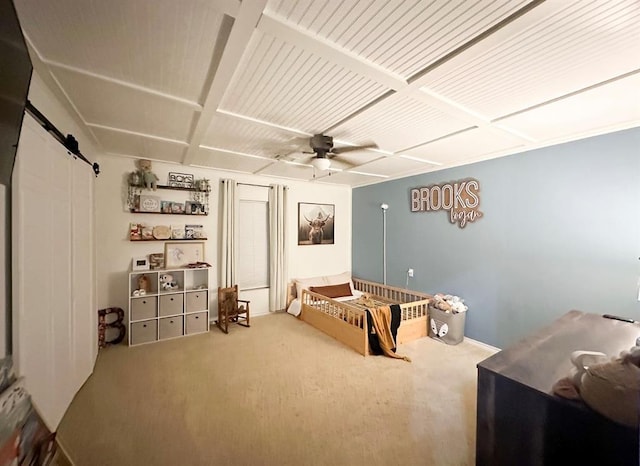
x=54, y=315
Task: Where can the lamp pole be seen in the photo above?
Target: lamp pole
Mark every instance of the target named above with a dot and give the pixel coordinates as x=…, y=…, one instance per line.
x=384, y=208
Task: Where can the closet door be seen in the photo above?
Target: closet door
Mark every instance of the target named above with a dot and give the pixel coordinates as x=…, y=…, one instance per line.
x=54, y=317
x=84, y=323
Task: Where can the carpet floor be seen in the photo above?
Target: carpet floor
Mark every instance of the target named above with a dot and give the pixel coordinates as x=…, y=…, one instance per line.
x=278, y=393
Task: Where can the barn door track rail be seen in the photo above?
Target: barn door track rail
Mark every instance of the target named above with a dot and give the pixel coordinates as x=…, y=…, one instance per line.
x=69, y=142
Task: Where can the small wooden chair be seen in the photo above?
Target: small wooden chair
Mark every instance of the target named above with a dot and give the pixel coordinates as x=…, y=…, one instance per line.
x=230, y=308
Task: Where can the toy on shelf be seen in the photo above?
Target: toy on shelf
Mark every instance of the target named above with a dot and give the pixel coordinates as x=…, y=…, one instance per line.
x=143, y=283
x=149, y=179
x=167, y=282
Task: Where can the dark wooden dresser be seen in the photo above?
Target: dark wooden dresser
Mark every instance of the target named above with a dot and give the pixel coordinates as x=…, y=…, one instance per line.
x=519, y=420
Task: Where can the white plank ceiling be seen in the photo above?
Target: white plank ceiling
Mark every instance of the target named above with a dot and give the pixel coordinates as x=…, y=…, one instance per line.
x=242, y=86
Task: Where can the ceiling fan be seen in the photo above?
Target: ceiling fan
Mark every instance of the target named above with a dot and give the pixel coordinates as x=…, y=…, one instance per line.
x=323, y=151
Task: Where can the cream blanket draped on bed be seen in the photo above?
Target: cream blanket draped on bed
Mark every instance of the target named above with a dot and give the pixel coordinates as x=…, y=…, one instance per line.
x=381, y=322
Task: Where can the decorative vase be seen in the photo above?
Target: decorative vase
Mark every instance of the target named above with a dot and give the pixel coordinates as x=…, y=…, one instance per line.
x=135, y=179
x=202, y=185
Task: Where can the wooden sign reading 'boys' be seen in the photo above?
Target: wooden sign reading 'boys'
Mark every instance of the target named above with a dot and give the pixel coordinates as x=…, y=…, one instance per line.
x=460, y=198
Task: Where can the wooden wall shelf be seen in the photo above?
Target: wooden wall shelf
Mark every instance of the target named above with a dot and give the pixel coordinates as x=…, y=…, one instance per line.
x=196, y=195
x=168, y=239
x=174, y=188
x=167, y=213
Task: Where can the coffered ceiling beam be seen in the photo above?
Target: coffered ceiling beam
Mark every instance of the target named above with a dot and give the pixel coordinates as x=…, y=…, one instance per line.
x=329, y=51
x=416, y=84
x=44, y=70
x=136, y=133
x=119, y=82
x=243, y=27
x=266, y=124
x=227, y=7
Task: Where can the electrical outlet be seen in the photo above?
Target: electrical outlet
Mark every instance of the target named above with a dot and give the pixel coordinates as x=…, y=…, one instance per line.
x=410, y=273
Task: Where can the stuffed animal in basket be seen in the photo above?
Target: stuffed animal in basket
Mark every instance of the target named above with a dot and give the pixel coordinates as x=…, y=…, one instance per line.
x=149, y=179
x=448, y=303
x=167, y=282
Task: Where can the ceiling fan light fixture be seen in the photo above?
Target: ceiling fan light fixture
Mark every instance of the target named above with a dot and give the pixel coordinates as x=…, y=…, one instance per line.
x=321, y=163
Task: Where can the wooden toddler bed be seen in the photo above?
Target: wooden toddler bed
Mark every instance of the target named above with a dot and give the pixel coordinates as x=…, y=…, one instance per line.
x=346, y=321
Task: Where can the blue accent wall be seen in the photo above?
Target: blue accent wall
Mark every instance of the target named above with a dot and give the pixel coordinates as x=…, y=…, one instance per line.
x=560, y=231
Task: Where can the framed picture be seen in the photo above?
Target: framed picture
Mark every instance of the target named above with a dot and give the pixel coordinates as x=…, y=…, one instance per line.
x=194, y=232
x=315, y=223
x=140, y=263
x=180, y=254
x=194, y=208
x=149, y=203
x=147, y=232
x=177, y=208
x=180, y=180
x=165, y=207
x=177, y=232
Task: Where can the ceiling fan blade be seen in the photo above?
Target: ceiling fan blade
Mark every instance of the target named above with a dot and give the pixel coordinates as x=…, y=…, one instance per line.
x=295, y=156
x=298, y=142
x=342, y=150
x=342, y=163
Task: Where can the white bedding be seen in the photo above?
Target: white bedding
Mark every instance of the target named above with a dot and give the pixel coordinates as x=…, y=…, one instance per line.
x=296, y=305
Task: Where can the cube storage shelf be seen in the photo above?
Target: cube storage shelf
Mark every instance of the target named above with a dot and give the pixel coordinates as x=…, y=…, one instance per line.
x=163, y=314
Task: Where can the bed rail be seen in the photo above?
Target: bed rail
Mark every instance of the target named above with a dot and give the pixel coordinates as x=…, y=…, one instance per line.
x=345, y=324
x=389, y=293
x=351, y=316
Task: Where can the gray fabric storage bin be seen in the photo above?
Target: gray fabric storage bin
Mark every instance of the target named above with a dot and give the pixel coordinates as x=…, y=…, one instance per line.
x=446, y=326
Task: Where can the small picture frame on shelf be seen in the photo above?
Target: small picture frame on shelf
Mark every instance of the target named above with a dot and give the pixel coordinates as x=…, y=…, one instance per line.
x=147, y=232
x=140, y=263
x=196, y=208
x=181, y=254
x=194, y=232
x=149, y=203
x=177, y=231
x=165, y=207
x=177, y=208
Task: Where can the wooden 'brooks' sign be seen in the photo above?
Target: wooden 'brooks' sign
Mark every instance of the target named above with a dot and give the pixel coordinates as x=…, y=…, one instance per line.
x=460, y=198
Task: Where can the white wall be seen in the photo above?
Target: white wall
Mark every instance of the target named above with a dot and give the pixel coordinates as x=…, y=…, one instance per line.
x=115, y=251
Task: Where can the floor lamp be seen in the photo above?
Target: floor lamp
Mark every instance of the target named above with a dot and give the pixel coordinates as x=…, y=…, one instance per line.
x=384, y=208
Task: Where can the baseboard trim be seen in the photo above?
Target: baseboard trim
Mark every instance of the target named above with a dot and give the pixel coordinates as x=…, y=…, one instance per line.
x=62, y=458
x=482, y=345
